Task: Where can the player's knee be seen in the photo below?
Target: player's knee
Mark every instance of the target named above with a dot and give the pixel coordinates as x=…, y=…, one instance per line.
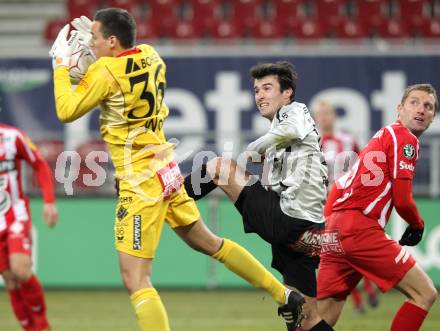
x=134, y=283
x=430, y=296
x=425, y=296
x=220, y=169
x=9, y=280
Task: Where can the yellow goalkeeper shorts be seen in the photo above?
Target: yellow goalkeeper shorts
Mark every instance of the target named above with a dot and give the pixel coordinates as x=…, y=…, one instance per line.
x=142, y=210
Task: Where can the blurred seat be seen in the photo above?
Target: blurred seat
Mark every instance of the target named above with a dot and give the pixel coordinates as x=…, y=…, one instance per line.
x=309, y=29
x=287, y=13
x=246, y=14
x=146, y=30
x=431, y=28
x=413, y=14
x=226, y=29
x=371, y=15
x=185, y=25
x=53, y=27
x=393, y=28
x=205, y=14
x=164, y=15
x=350, y=29
x=184, y=29
x=268, y=30
x=329, y=13
x=76, y=8
x=129, y=5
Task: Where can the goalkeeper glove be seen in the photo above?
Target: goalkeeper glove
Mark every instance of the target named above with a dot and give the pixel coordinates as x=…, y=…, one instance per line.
x=62, y=48
x=411, y=236
x=84, y=25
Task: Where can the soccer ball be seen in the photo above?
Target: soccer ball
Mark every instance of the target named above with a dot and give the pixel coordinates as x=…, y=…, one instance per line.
x=82, y=57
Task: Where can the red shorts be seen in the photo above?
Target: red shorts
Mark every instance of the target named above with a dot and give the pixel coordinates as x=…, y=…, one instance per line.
x=16, y=238
x=357, y=246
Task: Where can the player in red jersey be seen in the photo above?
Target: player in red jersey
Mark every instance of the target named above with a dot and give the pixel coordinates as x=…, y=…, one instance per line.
x=340, y=148
x=333, y=142
x=25, y=292
x=354, y=243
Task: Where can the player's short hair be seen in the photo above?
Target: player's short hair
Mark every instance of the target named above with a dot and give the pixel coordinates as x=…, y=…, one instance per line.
x=119, y=23
x=428, y=88
x=285, y=71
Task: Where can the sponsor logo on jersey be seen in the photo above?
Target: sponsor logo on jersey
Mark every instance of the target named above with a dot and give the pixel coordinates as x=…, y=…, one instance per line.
x=122, y=212
x=7, y=165
x=405, y=166
x=330, y=242
x=309, y=243
x=409, y=151
x=137, y=226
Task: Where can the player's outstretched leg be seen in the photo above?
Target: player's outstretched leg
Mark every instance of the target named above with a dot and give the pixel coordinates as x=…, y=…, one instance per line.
x=237, y=259
x=242, y=263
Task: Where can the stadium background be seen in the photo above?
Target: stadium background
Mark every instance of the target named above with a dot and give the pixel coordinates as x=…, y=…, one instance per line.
x=359, y=55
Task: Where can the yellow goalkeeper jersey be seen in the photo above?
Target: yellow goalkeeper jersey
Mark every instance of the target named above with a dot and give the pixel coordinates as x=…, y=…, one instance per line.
x=129, y=90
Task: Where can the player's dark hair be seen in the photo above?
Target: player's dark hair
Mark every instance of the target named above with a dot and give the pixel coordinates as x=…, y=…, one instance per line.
x=428, y=88
x=119, y=23
x=285, y=71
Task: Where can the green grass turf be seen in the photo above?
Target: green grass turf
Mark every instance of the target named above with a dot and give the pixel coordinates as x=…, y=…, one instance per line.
x=220, y=310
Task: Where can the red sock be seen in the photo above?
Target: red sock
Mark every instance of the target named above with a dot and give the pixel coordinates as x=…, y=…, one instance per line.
x=20, y=309
x=368, y=287
x=33, y=294
x=409, y=318
x=356, y=296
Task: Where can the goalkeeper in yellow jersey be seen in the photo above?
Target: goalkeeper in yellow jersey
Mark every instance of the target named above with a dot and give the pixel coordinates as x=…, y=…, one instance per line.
x=128, y=83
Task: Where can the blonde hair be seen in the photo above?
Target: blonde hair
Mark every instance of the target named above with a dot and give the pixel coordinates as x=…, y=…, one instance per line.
x=428, y=88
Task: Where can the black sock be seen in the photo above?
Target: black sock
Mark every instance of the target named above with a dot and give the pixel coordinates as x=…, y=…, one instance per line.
x=198, y=184
x=322, y=326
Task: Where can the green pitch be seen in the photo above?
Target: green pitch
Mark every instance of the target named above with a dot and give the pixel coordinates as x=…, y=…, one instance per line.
x=220, y=310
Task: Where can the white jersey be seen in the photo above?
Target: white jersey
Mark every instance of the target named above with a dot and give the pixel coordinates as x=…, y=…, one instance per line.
x=294, y=164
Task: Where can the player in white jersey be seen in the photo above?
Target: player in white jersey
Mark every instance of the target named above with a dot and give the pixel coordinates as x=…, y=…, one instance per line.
x=286, y=208
x=24, y=289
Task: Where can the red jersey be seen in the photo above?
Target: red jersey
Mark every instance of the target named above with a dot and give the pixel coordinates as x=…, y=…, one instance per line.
x=391, y=154
x=332, y=146
x=14, y=147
